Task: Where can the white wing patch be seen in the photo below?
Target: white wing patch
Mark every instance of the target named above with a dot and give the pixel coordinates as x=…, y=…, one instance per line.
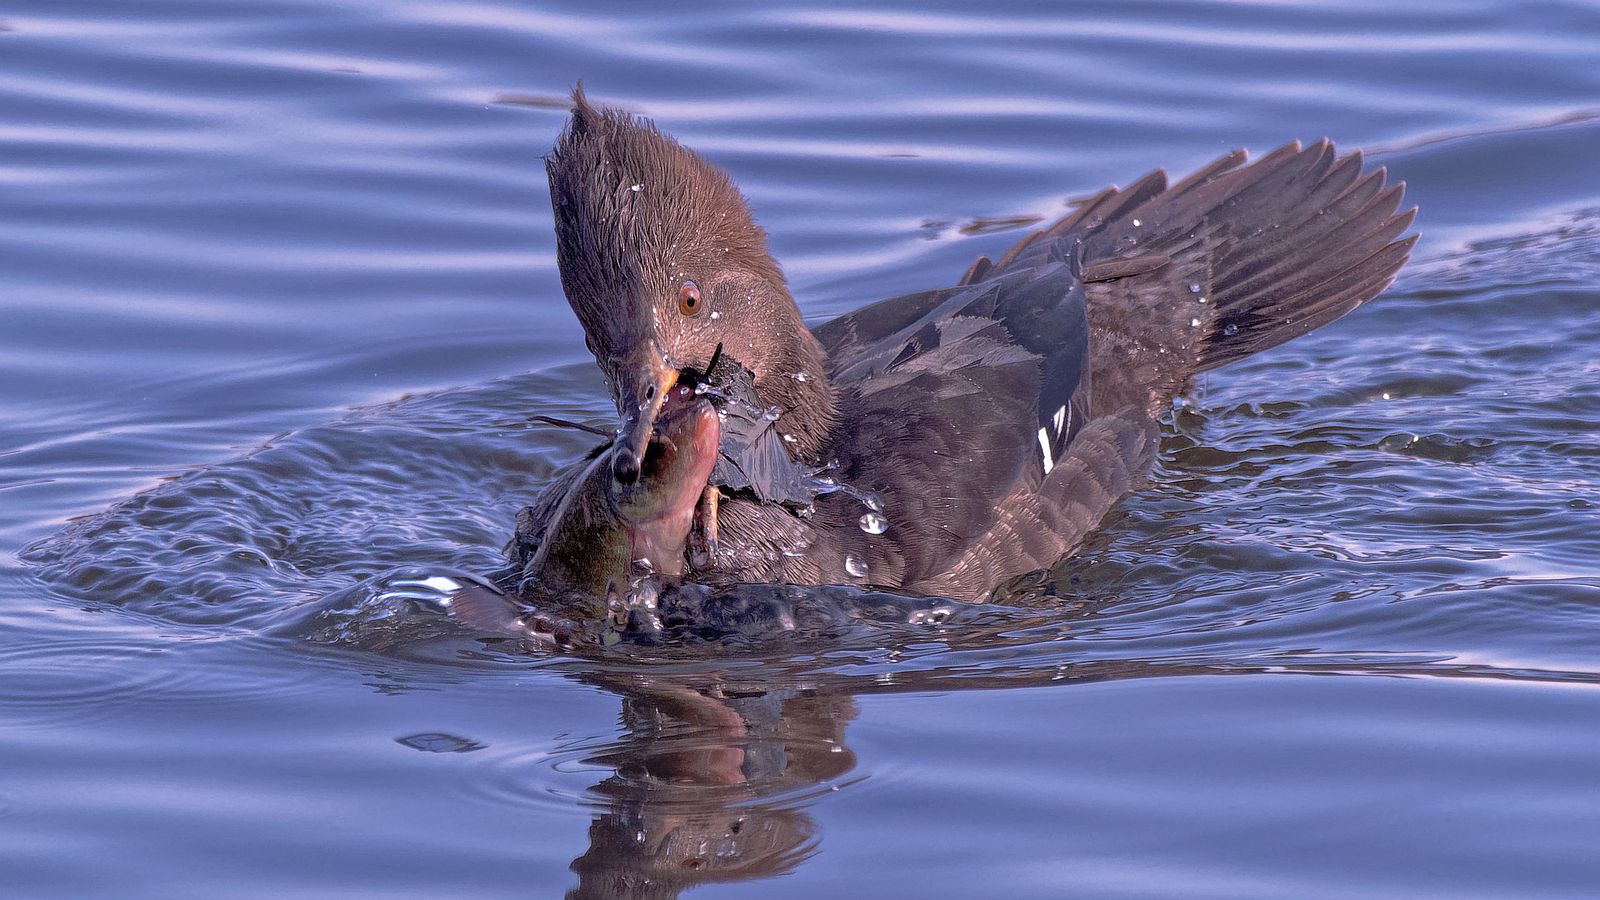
x=1051, y=444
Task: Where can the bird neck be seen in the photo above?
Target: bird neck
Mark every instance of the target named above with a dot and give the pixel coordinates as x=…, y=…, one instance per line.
x=792, y=378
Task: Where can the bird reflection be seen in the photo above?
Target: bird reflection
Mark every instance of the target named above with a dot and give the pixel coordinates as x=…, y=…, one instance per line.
x=714, y=773
x=709, y=783
x=724, y=744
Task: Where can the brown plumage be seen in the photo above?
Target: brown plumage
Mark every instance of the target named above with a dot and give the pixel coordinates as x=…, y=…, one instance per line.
x=636, y=217
x=997, y=419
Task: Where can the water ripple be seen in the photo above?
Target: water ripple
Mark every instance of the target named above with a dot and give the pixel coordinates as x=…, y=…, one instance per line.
x=265, y=261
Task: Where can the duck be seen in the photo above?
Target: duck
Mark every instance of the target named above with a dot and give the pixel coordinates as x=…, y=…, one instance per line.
x=947, y=441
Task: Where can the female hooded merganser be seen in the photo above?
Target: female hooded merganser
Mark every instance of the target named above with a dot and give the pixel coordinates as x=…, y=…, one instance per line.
x=959, y=436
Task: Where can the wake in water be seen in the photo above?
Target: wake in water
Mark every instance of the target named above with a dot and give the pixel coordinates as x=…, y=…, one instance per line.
x=359, y=531
x=1328, y=528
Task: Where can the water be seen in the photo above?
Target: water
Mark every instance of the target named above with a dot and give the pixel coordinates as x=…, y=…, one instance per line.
x=279, y=299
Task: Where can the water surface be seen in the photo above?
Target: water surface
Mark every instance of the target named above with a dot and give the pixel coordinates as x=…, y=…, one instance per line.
x=279, y=296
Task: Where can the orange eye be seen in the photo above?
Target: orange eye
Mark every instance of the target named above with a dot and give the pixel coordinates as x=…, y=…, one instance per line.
x=689, y=298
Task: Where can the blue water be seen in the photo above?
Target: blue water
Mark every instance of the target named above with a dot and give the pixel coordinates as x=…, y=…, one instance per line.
x=277, y=296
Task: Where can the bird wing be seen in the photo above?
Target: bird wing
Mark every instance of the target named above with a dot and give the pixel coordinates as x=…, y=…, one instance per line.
x=974, y=399
x=847, y=337
x=1227, y=262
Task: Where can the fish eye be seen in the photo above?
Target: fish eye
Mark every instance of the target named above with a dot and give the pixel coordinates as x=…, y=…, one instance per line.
x=689, y=298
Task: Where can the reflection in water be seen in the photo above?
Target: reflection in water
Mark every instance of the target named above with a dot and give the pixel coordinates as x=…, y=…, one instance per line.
x=714, y=773
x=230, y=221
x=709, y=783
x=1429, y=516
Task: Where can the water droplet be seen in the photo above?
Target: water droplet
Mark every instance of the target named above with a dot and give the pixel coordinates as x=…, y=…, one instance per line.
x=1137, y=223
x=771, y=415
x=1194, y=287
x=874, y=523
x=801, y=377
x=637, y=188
x=855, y=565
x=788, y=438
x=1230, y=329
x=1386, y=395
x=1202, y=299
x=715, y=314
x=1194, y=323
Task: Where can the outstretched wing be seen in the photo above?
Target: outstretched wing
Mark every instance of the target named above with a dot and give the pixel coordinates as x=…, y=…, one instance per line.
x=1230, y=261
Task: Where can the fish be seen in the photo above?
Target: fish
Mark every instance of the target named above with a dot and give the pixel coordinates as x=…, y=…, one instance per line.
x=610, y=562
x=609, y=545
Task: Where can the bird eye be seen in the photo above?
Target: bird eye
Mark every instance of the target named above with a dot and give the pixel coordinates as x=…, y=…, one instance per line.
x=689, y=298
